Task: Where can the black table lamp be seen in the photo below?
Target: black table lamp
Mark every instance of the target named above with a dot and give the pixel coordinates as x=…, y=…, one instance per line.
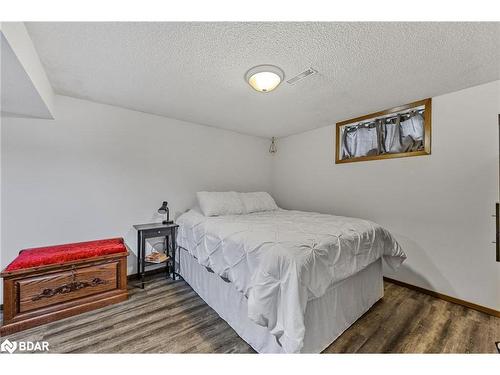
x=163, y=210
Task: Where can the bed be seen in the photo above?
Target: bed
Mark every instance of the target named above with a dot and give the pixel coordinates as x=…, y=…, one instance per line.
x=285, y=281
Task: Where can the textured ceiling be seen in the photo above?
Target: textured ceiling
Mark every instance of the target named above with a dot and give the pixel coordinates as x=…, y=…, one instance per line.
x=194, y=71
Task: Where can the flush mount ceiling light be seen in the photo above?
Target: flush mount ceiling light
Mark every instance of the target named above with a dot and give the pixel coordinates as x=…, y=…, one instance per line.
x=264, y=78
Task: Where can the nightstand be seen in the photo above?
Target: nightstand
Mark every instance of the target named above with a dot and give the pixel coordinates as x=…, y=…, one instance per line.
x=153, y=230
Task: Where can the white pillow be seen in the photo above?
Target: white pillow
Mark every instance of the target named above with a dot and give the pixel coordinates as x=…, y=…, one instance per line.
x=220, y=203
x=258, y=201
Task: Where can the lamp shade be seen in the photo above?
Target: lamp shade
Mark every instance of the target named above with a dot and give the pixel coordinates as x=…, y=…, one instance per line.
x=163, y=209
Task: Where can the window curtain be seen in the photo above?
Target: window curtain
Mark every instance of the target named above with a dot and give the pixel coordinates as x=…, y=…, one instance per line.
x=360, y=141
x=412, y=133
x=391, y=134
x=403, y=133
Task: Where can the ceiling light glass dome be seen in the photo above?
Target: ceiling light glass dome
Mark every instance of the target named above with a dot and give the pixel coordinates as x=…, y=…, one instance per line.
x=264, y=78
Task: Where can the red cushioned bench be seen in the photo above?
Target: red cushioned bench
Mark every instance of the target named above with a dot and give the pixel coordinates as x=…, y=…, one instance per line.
x=50, y=283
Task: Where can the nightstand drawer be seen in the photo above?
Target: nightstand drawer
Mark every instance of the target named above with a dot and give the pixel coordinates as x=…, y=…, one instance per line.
x=159, y=232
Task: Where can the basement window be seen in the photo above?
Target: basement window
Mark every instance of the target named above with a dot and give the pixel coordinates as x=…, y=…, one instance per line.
x=393, y=133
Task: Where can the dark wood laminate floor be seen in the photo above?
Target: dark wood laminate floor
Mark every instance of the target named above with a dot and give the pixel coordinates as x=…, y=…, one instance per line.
x=169, y=317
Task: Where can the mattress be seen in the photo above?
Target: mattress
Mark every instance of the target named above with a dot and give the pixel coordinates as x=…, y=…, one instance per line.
x=281, y=260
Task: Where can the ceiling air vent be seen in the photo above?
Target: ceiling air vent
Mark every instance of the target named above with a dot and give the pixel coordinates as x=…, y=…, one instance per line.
x=301, y=76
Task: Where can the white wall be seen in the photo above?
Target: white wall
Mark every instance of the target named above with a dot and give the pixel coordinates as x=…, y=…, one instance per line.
x=438, y=206
x=96, y=170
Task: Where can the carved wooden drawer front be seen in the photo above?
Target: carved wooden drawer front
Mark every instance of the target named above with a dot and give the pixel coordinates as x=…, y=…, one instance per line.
x=42, y=291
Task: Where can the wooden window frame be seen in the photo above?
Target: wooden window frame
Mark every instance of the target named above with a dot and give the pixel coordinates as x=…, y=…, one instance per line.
x=427, y=133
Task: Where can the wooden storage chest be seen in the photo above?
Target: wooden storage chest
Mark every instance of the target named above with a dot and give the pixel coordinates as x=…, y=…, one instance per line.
x=80, y=281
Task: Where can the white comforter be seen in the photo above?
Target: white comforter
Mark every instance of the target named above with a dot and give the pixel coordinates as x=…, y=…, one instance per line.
x=281, y=259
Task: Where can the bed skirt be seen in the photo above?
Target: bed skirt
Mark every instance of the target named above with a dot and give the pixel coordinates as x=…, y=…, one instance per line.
x=326, y=318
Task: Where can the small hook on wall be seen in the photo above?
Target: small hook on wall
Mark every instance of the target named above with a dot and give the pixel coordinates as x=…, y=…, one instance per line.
x=272, y=148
